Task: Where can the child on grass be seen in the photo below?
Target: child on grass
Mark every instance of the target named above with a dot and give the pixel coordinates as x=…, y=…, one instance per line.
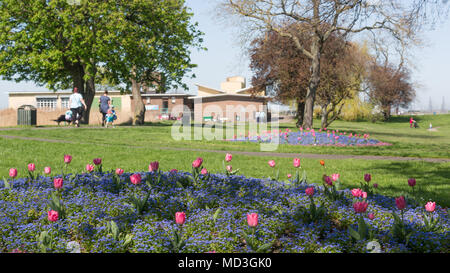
x=110, y=117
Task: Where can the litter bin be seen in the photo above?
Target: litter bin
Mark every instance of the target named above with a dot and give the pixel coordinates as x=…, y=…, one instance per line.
x=26, y=115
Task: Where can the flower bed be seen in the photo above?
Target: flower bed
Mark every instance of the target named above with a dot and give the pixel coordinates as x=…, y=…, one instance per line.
x=311, y=137
x=200, y=212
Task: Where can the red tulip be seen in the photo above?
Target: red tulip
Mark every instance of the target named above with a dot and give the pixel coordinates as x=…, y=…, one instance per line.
x=357, y=193
x=153, y=167
x=360, y=207
x=371, y=216
x=400, y=202
x=180, y=218
x=197, y=163
x=411, y=182
x=53, y=216
x=296, y=162
x=252, y=219
x=135, y=179
x=13, y=172
x=58, y=183
x=174, y=171
x=310, y=191
x=67, y=159
x=367, y=177
x=322, y=162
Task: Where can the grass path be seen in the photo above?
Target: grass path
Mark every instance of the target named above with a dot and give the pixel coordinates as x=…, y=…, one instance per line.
x=261, y=154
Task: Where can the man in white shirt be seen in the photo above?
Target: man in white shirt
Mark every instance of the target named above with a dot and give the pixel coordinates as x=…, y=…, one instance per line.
x=76, y=103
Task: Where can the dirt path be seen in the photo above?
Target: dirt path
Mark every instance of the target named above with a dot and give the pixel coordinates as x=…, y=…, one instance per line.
x=266, y=154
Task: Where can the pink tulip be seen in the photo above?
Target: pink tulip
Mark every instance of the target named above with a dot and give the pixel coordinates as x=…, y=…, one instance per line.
x=204, y=171
x=371, y=216
x=271, y=163
x=58, y=183
x=252, y=219
x=289, y=175
x=430, y=206
x=360, y=207
x=67, y=159
x=364, y=195
x=119, y=171
x=89, y=167
x=229, y=168
x=357, y=193
x=228, y=157
x=310, y=191
x=335, y=176
x=411, y=182
x=135, y=179
x=180, y=218
x=97, y=161
x=13, y=172
x=296, y=162
x=153, y=167
x=197, y=163
x=53, y=216
x=367, y=177
x=174, y=171
x=31, y=167
x=400, y=202
x=47, y=170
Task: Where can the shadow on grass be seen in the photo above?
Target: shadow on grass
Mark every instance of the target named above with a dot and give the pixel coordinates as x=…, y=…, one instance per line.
x=426, y=176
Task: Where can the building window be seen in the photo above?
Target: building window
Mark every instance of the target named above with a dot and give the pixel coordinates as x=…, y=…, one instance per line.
x=46, y=103
x=64, y=103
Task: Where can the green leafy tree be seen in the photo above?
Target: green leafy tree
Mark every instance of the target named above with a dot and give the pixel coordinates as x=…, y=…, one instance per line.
x=63, y=44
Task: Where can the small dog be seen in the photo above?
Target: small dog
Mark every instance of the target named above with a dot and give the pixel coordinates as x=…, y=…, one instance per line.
x=65, y=118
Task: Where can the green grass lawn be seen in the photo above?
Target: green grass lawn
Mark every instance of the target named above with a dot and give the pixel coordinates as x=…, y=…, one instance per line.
x=134, y=148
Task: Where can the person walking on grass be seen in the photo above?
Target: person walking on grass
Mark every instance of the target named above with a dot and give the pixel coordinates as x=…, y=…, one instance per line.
x=76, y=104
x=105, y=104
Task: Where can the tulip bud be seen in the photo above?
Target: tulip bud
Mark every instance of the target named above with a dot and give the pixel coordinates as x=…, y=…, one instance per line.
x=180, y=218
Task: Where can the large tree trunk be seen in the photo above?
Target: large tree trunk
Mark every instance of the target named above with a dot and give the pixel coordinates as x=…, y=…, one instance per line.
x=313, y=85
x=300, y=113
x=88, y=97
x=139, y=107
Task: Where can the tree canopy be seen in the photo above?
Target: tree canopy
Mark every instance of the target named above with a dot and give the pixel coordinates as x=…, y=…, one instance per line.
x=61, y=44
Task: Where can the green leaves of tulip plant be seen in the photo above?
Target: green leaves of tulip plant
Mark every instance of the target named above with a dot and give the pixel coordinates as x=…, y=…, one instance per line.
x=364, y=231
x=255, y=245
x=431, y=224
x=7, y=184
x=57, y=204
x=177, y=243
x=399, y=230
x=312, y=214
x=113, y=230
x=45, y=241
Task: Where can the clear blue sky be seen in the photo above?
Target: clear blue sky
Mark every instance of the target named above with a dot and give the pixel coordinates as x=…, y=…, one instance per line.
x=224, y=59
